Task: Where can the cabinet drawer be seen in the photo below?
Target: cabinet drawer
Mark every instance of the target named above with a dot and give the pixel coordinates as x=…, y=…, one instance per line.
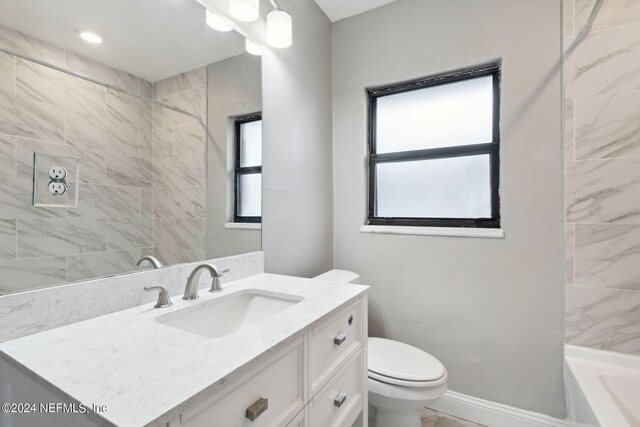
x=339, y=402
x=279, y=381
x=332, y=343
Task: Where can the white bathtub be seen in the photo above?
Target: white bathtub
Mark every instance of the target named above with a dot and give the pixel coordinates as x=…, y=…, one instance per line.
x=603, y=388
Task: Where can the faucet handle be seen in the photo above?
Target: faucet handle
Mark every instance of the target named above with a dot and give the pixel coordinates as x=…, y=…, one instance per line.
x=163, y=297
x=216, y=279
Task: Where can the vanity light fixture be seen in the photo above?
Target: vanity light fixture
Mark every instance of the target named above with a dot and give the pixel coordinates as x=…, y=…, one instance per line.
x=245, y=10
x=91, y=37
x=252, y=47
x=217, y=22
x=279, y=28
x=279, y=23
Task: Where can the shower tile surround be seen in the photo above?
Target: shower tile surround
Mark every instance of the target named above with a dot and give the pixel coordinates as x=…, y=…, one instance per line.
x=142, y=179
x=602, y=176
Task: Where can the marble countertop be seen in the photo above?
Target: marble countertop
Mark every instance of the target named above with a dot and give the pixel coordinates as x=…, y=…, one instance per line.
x=147, y=373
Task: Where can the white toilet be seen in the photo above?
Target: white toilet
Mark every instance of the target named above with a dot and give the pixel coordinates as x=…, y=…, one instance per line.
x=402, y=379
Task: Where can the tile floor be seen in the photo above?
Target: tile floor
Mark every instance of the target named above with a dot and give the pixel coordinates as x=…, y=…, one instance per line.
x=432, y=418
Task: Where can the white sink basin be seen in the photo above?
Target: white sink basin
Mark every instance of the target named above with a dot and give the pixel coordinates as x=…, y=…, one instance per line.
x=228, y=314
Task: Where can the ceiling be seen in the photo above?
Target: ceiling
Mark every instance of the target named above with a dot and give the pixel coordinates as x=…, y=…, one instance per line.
x=152, y=39
x=340, y=9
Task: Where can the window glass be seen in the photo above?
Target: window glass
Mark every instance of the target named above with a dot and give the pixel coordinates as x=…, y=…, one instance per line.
x=248, y=168
x=457, y=187
x=251, y=143
x=250, y=187
x=435, y=151
x=445, y=115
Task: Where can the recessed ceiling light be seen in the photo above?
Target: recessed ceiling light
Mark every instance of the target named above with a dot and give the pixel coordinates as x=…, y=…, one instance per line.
x=91, y=37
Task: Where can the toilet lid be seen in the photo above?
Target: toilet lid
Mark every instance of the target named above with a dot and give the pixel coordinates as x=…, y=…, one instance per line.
x=395, y=360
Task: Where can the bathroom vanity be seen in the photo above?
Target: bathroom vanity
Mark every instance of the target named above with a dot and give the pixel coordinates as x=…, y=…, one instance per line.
x=267, y=350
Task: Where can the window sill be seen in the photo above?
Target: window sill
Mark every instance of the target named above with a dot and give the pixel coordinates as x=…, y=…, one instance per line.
x=244, y=225
x=491, y=233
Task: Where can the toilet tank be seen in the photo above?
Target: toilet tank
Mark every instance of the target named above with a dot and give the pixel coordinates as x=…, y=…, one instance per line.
x=343, y=276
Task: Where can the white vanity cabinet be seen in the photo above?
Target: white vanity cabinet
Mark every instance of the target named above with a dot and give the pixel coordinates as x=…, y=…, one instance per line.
x=269, y=395
x=333, y=342
x=318, y=380
x=304, y=366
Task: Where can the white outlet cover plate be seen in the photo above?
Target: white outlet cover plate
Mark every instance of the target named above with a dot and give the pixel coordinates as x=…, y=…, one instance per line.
x=42, y=163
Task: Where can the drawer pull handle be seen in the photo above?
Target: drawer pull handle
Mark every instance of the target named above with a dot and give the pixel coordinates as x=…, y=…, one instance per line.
x=340, y=398
x=350, y=320
x=257, y=409
x=340, y=339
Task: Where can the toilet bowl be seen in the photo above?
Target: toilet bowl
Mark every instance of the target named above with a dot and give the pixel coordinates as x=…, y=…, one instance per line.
x=402, y=379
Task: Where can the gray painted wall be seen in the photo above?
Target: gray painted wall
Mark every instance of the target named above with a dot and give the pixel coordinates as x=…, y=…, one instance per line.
x=489, y=309
x=234, y=89
x=297, y=172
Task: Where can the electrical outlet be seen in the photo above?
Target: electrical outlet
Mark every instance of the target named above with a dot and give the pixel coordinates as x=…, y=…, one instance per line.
x=57, y=188
x=56, y=180
x=57, y=172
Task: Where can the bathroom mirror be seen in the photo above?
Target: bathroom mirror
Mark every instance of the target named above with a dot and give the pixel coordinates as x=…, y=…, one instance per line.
x=145, y=123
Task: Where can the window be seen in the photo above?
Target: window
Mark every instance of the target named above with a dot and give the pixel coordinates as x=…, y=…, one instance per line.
x=248, y=169
x=434, y=151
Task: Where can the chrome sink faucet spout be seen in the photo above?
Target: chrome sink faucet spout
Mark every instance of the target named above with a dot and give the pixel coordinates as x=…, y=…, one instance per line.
x=155, y=262
x=191, y=290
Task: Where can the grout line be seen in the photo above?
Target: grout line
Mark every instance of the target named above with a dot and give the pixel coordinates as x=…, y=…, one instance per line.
x=573, y=250
x=604, y=159
x=637, y=291
x=15, y=256
x=597, y=95
x=15, y=76
x=573, y=124
x=573, y=18
x=15, y=162
x=606, y=223
x=615, y=27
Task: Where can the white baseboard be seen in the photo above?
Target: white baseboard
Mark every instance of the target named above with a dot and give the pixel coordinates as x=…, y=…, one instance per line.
x=492, y=414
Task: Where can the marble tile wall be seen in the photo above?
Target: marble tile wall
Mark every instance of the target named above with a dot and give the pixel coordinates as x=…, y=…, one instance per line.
x=602, y=170
x=179, y=162
x=125, y=168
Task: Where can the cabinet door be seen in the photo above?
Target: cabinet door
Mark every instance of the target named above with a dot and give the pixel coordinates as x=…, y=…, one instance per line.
x=300, y=420
x=339, y=402
x=20, y=389
x=270, y=395
x=333, y=342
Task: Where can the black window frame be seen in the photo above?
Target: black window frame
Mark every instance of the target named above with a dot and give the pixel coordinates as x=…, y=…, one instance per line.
x=491, y=148
x=243, y=170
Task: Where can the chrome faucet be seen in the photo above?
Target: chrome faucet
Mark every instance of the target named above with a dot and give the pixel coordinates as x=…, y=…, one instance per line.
x=155, y=262
x=191, y=290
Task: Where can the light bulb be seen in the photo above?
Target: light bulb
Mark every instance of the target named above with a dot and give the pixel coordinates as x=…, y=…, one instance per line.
x=217, y=22
x=245, y=10
x=252, y=48
x=279, y=29
x=91, y=37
